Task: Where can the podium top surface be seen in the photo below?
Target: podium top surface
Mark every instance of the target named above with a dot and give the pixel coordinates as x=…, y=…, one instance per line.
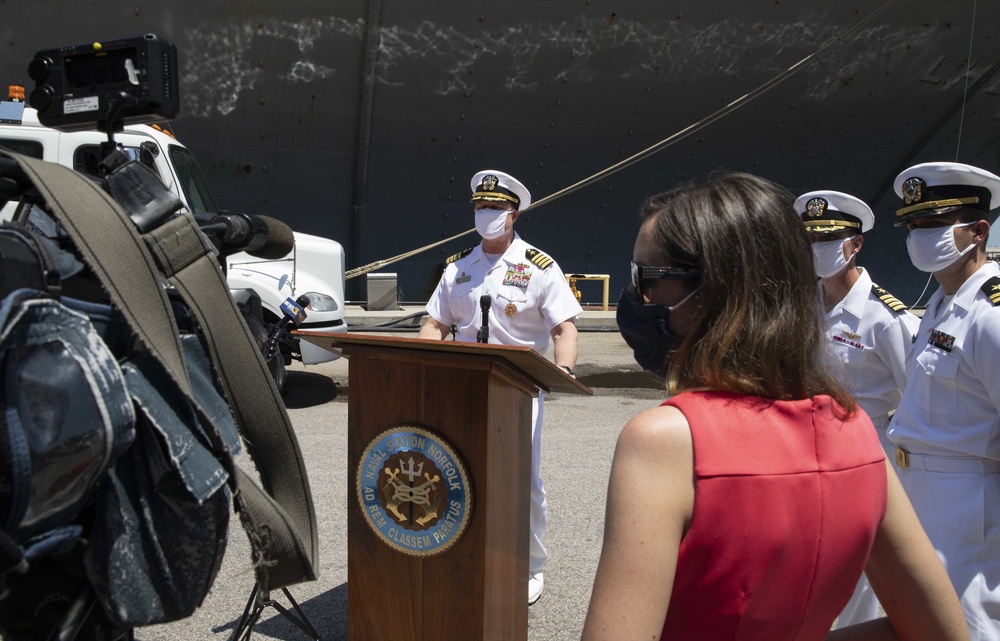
x=533, y=364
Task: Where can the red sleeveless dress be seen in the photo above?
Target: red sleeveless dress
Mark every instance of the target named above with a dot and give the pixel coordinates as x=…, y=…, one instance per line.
x=787, y=501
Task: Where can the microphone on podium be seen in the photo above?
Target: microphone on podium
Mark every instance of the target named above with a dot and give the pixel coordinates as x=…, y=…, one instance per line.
x=483, y=335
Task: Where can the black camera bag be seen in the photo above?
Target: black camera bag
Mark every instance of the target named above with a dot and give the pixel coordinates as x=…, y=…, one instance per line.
x=152, y=565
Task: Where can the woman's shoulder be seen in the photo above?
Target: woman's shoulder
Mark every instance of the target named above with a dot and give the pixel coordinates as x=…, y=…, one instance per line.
x=655, y=451
x=657, y=431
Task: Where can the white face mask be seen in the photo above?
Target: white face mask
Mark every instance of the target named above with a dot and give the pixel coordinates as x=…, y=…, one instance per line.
x=828, y=257
x=933, y=248
x=491, y=223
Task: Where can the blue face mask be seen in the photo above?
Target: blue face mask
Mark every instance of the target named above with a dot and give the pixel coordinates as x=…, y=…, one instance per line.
x=646, y=330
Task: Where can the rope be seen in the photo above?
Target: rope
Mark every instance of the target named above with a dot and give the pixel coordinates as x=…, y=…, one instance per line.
x=379, y=264
x=961, y=122
x=660, y=146
x=968, y=69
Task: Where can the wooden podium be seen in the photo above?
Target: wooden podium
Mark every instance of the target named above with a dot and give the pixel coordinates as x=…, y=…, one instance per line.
x=439, y=455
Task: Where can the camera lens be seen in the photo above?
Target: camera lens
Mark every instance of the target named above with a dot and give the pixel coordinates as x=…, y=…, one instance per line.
x=41, y=97
x=39, y=68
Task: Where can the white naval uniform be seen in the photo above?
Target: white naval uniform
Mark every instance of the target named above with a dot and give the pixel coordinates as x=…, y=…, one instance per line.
x=527, y=302
x=949, y=425
x=870, y=341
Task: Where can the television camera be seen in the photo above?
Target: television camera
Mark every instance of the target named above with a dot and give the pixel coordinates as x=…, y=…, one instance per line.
x=47, y=589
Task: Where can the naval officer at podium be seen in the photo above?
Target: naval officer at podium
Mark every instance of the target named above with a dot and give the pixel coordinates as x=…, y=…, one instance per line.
x=506, y=291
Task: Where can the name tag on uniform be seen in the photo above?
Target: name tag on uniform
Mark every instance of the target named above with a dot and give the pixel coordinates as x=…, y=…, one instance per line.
x=941, y=340
x=849, y=343
x=464, y=278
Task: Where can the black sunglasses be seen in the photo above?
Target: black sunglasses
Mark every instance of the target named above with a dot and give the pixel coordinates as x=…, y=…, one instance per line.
x=642, y=273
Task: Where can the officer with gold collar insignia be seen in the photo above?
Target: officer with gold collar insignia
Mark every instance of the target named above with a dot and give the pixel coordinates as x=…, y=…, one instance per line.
x=870, y=331
x=947, y=428
x=530, y=303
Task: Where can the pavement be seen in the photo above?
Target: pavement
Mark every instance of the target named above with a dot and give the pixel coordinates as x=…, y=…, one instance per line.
x=578, y=445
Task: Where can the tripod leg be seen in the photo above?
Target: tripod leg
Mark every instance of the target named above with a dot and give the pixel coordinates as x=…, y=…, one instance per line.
x=246, y=613
x=257, y=609
x=256, y=605
x=299, y=618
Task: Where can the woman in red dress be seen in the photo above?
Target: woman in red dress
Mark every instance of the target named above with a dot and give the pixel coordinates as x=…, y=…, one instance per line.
x=747, y=505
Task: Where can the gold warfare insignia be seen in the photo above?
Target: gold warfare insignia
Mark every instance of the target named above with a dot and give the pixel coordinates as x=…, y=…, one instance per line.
x=414, y=491
x=845, y=341
x=510, y=309
x=913, y=190
x=490, y=182
x=851, y=335
x=815, y=207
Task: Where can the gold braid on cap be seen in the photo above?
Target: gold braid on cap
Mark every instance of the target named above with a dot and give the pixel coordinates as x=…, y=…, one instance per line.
x=936, y=204
x=829, y=225
x=495, y=196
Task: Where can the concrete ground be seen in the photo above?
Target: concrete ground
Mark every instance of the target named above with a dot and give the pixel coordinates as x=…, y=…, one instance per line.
x=578, y=444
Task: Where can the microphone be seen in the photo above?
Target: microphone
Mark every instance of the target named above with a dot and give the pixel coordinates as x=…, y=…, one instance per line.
x=483, y=335
x=293, y=312
x=260, y=236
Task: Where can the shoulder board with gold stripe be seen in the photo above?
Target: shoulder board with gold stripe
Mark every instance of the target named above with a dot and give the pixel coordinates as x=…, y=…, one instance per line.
x=888, y=299
x=538, y=258
x=992, y=290
x=461, y=254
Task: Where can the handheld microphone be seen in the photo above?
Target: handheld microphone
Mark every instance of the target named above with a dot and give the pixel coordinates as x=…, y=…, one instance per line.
x=260, y=236
x=483, y=335
x=294, y=312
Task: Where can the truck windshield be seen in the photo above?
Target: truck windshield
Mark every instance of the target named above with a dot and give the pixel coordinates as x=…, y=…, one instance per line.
x=192, y=181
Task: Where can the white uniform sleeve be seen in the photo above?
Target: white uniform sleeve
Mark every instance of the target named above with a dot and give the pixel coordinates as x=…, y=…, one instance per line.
x=437, y=305
x=559, y=304
x=986, y=354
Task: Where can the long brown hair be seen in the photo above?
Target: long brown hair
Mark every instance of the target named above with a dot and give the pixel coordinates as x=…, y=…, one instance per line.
x=758, y=330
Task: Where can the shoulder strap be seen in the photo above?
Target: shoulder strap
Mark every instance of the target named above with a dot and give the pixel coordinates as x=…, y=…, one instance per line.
x=459, y=255
x=538, y=258
x=281, y=521
x=27, y=260
x=992, y=290
x=888, y=299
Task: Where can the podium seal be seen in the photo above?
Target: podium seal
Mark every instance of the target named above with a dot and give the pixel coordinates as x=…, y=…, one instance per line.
x=414, y=491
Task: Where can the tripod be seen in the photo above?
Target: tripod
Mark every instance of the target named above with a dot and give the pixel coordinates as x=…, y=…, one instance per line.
x=260, y=601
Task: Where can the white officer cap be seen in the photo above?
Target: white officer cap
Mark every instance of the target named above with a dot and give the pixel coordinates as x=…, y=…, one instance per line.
x=828, y=212
x=935, y=188
x=498, y=186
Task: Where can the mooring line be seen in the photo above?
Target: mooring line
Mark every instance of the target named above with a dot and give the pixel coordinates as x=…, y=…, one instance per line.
x=649, y=151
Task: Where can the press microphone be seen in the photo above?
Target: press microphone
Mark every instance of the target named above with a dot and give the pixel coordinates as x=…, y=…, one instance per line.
x=292, y=312
x=260, y=236
x=483, y=335
x=295, y=311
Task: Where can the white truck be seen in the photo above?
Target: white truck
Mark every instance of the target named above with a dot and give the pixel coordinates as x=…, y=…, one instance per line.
x=314, y=267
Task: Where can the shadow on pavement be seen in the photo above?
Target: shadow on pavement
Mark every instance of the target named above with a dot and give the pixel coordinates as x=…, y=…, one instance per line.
x=308, y=389
x=620, y=379
x=327, y=613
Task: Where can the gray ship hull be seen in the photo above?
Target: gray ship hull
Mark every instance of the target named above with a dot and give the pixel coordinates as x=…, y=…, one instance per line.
x=363, y=121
